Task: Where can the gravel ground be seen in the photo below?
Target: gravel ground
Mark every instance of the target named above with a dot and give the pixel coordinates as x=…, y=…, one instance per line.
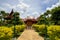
x=30, y=34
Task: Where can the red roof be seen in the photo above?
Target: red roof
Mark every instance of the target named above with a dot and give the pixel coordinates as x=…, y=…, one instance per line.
x=29, y=18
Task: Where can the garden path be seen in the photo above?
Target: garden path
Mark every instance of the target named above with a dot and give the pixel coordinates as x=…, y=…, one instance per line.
x=30, y=34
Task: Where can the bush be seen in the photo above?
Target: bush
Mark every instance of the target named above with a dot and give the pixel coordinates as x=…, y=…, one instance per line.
x=18, y=29
x=6, y=33
x=54, y=32
x=41, y=29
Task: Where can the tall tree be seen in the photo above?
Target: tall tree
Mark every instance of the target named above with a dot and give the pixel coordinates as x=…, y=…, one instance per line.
x=56, y=15
x=41, y=19
x=2, y=15
x=16, y=19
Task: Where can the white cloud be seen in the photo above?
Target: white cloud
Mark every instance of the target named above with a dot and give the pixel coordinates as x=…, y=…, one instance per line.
x=23, y=5
x=53, y=6
x=21, y=12
x=9, y=5
x=20, y=5
x=1, y=8
x=35, y=14
x=4, y=9
x=42, y=13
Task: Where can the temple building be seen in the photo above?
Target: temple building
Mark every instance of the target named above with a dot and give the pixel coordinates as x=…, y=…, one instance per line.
x=29, y=21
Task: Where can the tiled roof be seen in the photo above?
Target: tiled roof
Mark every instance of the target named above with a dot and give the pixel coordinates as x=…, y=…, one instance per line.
x=29, y=18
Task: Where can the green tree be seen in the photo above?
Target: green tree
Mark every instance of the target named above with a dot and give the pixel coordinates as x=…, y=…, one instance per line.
x=55, y=15
x=2, y=15
x=44, y=18
x=16, y=19
x=41, y=20
x=52, y=16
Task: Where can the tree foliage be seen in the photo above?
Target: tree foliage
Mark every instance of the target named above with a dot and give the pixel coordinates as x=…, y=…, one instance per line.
x=14, y=20
x=52, y=16
x=55, y=15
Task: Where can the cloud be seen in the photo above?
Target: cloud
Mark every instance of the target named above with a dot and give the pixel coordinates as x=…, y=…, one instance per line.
x=9, y=5
x=21, y=11
x=20, y=1
x=23, y=5
x=35, y=14
x=20, y=5
x=53, y=6
x=1, y=8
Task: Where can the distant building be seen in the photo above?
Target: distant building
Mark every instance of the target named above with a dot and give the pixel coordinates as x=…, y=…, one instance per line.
x=29, y=21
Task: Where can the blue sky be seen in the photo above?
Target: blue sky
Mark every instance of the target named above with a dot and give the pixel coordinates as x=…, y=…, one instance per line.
x=28, y=7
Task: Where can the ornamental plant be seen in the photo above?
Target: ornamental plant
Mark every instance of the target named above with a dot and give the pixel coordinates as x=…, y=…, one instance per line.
x=54, y=32
x=6, y=33
x=41, y=29
x=18, y=30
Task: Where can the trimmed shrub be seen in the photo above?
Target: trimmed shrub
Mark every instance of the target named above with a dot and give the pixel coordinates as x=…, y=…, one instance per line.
x=54, y=32
x=41, y=29
x=18, y=30
x=6, y=33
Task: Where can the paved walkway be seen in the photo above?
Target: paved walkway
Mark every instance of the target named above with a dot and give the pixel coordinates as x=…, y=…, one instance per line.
x=30, y=35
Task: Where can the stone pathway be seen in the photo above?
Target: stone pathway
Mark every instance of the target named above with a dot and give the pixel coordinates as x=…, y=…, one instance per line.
x=30, y=35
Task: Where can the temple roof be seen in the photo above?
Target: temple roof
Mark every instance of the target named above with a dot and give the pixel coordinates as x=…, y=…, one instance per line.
x=29, y=18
